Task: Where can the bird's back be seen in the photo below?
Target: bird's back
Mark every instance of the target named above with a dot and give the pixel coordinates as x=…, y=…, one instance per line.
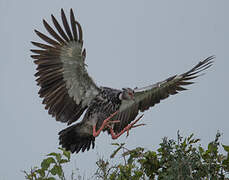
x=102, y=106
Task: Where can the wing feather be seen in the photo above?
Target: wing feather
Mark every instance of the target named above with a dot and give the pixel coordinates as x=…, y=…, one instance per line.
x=147, y=97
x=66, y=26
x=74, y=30
x=66, y=87
x=47, y=39
x=43, y=46
x=59, y=29
x=53, y=33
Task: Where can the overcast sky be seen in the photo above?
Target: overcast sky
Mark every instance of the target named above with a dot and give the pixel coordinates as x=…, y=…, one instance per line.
x=129, y=43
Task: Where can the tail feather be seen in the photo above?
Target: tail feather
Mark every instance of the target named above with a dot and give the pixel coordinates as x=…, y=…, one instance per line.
x=74, y=141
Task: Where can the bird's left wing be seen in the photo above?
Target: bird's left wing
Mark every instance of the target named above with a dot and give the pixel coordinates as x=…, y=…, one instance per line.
x=66, y=87
x=146, y=97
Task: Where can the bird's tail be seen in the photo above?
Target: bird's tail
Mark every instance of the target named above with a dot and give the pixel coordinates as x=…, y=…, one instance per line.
x=73, y=140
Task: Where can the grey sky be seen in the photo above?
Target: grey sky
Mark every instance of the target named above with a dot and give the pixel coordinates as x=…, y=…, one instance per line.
x=129, y=43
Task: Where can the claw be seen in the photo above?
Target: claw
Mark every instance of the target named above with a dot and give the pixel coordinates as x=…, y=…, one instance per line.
x=127, y=132
x=106, y=122
x=126, y=129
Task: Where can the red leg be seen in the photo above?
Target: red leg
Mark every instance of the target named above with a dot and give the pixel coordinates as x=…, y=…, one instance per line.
x=126, y=129
x=106, y=122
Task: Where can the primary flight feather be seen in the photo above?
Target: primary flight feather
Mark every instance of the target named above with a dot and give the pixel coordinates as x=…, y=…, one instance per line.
x=67, y=89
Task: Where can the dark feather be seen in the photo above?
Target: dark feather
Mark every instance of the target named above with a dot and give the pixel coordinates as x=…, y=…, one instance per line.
x=59, y=29
x=80, y=32
x=53, y=33
x=66, y=26
x=43, y=46
x=46, y=38
x=73, y=24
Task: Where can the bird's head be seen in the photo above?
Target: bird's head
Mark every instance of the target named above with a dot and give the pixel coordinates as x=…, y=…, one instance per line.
x=127, y=94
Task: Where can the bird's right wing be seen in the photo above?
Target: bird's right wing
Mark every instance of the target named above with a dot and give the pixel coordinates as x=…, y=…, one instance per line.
x=66, y=87
x=146, y=97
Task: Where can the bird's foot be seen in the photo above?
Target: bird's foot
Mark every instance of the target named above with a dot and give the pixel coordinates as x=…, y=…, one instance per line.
x=126, y=129
x=106, y=123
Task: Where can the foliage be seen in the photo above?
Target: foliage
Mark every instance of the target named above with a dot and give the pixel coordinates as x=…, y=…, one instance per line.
x=174, y=160
x=51, y=167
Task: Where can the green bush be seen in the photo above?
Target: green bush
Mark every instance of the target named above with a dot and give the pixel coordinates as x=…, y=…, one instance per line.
x=182, y=159
x=51, y=167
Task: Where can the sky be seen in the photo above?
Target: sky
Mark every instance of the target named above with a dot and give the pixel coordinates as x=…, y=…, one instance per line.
x=129, y=43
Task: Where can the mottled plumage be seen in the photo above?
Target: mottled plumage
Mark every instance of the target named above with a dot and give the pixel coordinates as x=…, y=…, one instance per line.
x=67, y=89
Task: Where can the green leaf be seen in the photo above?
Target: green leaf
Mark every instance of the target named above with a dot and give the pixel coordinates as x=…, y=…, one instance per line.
x=159, y=149
x=196, y=140
x=226, y=148
x=201, y=150
x=57, y=155
x=53, y=171
x=212, y=147
x=115, y=144
x=117, y=150
x=184, y=144
x=46, y=163
x=130, y=160
x=41, y=172
x=52, y=154
x=51, y=178
x=190, y=137
x=56, y=170
x=137, y=174
x=226, y=162
x=67, y=154
x=62, y=161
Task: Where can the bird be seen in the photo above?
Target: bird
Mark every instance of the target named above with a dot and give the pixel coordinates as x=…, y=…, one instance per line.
x=68, y=90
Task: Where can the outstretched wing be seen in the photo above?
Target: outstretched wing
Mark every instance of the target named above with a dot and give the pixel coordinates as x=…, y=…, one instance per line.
x=147, y=97
x=66, y=87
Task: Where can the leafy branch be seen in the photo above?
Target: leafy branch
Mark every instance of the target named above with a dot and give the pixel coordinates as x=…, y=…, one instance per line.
x=182, y=159
x=51, y=167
